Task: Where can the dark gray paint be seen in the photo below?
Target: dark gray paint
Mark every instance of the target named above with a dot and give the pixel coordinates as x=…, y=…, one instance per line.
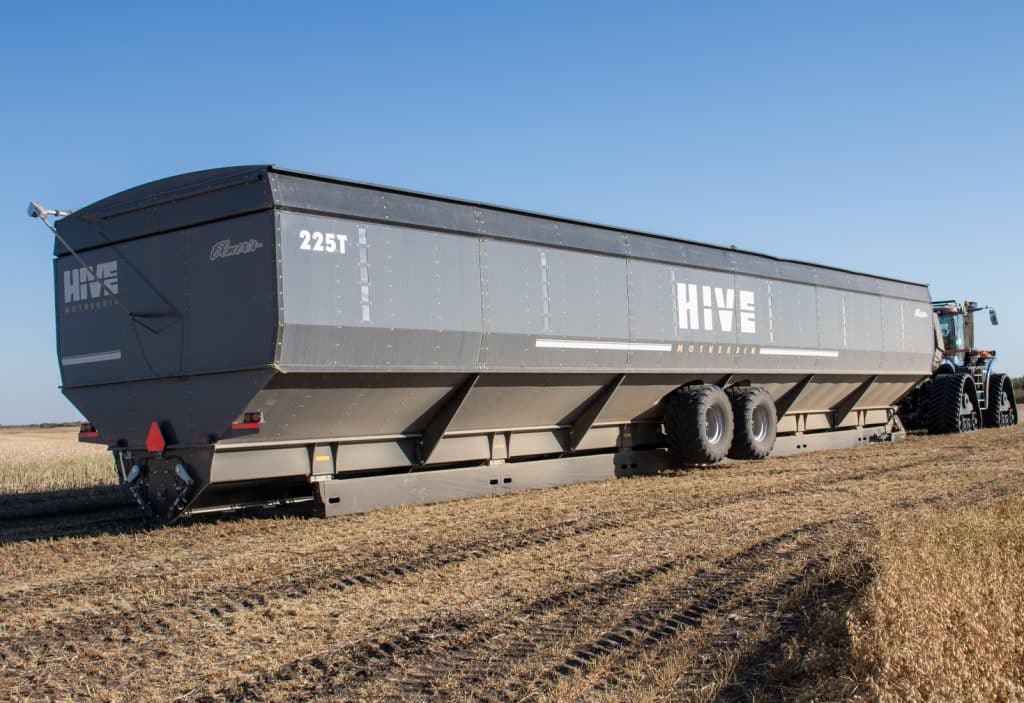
x=471, y=303
x=357, y=352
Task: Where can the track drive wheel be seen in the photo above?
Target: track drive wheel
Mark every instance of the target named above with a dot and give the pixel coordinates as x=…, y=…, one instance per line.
x=953, y=405
x=1002, y=407
x=699, y=424
x=755, y=422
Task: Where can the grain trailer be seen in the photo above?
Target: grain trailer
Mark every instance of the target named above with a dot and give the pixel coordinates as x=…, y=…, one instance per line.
x=255, y=335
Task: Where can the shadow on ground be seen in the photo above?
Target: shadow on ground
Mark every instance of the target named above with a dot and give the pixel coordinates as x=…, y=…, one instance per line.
x=100, y=510
x=807, y=644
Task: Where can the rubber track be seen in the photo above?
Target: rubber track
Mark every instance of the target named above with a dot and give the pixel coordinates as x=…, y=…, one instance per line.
x=944, y=403
x=992, y=414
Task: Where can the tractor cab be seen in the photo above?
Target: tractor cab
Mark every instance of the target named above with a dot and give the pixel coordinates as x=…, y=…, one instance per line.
x=956, y=323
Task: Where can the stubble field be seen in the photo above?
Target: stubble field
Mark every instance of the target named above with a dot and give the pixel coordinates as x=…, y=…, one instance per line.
x=50, y=460
x=890, y=571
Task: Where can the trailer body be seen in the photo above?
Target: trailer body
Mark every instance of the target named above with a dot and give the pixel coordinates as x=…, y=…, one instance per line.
x=254, y=334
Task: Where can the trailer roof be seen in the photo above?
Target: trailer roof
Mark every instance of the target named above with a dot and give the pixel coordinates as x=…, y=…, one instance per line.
x=135, y=208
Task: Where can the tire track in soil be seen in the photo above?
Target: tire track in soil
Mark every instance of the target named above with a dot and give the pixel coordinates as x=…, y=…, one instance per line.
x=366, y=571
x=375, y=659
x=707, y=590
x=662, y=629
x=426, y=637
x=789, y=619
x=748, y=673
x=477, y=668
x=94, y=584
x=113, y=630
x=151, y=620
x=750, y=668
x=252, y=595
x=469, y=655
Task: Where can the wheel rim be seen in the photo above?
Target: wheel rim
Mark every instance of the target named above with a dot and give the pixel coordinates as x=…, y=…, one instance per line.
x=759, y=423
x=714, y=424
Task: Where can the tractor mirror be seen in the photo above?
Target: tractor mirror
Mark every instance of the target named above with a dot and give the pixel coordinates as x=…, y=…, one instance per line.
x=992, y=316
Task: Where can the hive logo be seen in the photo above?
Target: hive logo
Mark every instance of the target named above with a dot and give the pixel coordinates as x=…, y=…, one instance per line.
x=80, y=285
x=711, y=308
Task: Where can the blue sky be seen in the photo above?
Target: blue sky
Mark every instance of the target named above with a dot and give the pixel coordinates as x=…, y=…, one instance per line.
x=884, y=137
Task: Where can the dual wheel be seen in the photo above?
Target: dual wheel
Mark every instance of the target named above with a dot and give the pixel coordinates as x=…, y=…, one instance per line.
x=704, y=424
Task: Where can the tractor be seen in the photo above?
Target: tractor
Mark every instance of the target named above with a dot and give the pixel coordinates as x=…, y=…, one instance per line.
x=963, y=393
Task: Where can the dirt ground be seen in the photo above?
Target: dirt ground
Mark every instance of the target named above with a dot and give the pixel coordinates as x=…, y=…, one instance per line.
x=693, y=585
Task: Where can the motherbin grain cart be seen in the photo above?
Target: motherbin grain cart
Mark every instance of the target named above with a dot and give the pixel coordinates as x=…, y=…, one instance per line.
x=256, y=335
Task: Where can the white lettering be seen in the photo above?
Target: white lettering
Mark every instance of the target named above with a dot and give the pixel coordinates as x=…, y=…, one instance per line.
x=107, y=271
x=725, y=299
x=747, y=321
x=328, y=242
x=700, y=313
x=71, y=292
x=708, y=312
x=687, y=296
x=85, y=283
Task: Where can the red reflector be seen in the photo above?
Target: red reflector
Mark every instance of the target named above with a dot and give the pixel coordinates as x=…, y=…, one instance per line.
x=250, y=421
x=88, y=435
x=155, y=442
x=87, y=430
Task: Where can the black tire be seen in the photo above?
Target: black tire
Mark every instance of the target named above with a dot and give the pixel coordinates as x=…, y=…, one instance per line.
x=953, y=405
x=755, y=423
x=1002, y=406
x=699, y=424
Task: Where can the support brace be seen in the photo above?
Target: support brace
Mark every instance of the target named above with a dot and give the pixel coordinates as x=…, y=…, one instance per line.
x=442, y=419
x=845, y=407
x=783, y=404
x=585, y=420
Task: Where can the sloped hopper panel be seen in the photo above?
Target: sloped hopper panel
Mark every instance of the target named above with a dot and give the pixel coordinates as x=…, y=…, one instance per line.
x=190, y=410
